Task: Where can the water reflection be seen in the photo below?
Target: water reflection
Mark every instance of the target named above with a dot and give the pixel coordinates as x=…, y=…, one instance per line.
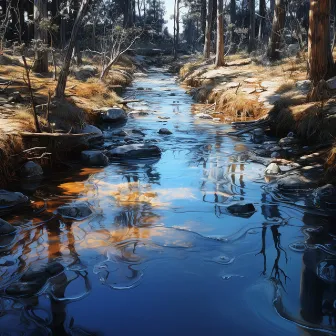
x=161, y=240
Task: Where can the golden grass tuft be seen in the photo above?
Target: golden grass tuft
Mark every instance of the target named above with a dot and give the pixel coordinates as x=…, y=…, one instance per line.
x=9, y=145
x=285, y=87
x=238, y=106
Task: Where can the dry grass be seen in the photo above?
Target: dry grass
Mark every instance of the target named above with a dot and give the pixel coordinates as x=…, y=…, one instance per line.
x=9, y=145
x=238, y=105
x=285, y=87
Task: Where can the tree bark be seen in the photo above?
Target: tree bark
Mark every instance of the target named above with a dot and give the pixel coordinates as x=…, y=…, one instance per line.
x=252, y=26
x=320, y=59
x=41, y=56
x=220, y=35
x=203, y=18
x=277, y=30
x=207, y=43
x=262, y=24
x=63, y=76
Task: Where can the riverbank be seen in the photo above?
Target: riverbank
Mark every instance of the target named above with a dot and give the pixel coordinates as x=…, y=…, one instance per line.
x=86, y=97
x=250, y=89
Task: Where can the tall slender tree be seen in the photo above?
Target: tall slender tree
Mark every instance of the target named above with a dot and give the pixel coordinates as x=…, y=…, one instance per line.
x=207, y=42
x=277, y=30
x=41, y=34
x=320, y=59
x=220, y=35
x=252, y=25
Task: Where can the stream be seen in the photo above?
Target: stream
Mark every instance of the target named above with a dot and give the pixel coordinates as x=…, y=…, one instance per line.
x=161, y=254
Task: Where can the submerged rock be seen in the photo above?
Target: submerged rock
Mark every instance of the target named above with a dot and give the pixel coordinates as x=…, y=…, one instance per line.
x=245, y=210
x=10, y=201
x=120, y=133
x=135, y=151
x=295, y=182
x=76, y=211
x=34, y=279
x=95, y=158
x=325, y=196
x=273, y=169
x=112, y=115
x=6, y=228
x=165, y=131
x=31, y=169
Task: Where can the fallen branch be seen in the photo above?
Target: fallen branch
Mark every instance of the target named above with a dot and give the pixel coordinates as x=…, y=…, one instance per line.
x=39, y=157
x=124, y=102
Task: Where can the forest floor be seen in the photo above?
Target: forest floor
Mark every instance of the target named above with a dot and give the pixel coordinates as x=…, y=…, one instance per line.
x=84, y=96
x=249, y=89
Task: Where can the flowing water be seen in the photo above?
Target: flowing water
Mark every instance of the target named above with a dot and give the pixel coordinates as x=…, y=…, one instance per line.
x=162, y=255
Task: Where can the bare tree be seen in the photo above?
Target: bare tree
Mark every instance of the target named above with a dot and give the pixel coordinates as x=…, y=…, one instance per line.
x=63, y=76
x=252, y=26
x=277, y=30
x=40, y=36
x=207, y=43
x=220, y=35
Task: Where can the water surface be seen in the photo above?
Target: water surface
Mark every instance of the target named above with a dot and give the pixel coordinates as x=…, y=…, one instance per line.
x=161, y=254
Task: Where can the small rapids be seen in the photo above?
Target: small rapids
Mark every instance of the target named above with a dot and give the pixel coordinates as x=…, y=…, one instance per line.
x=155, y=248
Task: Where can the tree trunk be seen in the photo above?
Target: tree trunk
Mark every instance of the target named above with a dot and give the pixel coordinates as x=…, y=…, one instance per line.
x=262, y=24
x=277, y=30
x=252, y=26
x=203, y=18
x=77, y=50
x=41, y=56
x=177, y=40
x=207, y=44
x=63, y=76
x=220, y=35
x=320, y=60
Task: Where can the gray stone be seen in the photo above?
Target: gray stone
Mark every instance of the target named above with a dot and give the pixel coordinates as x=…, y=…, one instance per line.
x=135, y=131
x=293, y=49
x=6, y=228
x=31, y=169
x=15, y=97
x=332, y=83
x=10, y=201
x=114, y=114
x=295, y=182
x=165, y=131
x=204, y=116
x=76, y=211
x=96, y=136
x=120, y=133
x=275, y=149
x=95, y=158
x=304, y=86
x=245, y=210
x=135, y=151
x=135, y=114
x=84, y=72
x=273, y=169
x=275, y=155
x=288, y=141
x=34, y=279
x=325, y=197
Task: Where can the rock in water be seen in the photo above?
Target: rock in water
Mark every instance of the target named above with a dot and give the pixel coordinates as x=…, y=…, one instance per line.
x=6, y=228
x=112, y=115
x=76, y=211
x=10, y=201
x=258, y=135
x=34, y=279
x=295, y=182
x=325, y=197
x=96, y=137
x=273, y=169
x=31, y=169
x=245, y=210
x=165, y=131
x=95, y=158
x=135, y=151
